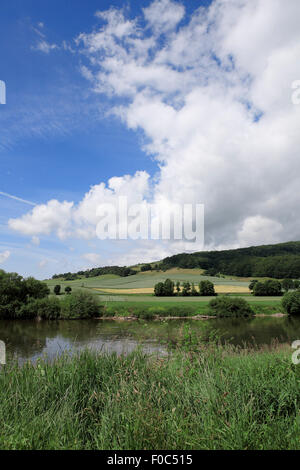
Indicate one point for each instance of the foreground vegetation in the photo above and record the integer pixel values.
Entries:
(200, 397)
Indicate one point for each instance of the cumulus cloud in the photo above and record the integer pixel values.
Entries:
(258, 229)
(212, 95)
(66, 219)
(214, 103)
(53, 217)
(4, 255)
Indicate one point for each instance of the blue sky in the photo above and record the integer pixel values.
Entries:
(54, 139)
(59, 136)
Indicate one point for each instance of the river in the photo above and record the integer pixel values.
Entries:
(29, 340)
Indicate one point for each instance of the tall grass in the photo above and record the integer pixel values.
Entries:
(199, 398)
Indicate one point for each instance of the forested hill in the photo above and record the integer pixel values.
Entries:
(122, 271)
(278, 261)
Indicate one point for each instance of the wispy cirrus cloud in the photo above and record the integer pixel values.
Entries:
(60, 111)
(16, 198)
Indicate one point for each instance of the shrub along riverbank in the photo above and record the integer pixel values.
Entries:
(149, 310)
(29, 298)
(201, 397)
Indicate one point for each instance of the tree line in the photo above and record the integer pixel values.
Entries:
(272, 287)
(122, 271)
(167, 289)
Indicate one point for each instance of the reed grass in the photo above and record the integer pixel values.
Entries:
(200, 397)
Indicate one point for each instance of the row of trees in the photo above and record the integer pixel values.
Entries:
(272, 287)
(167, 289)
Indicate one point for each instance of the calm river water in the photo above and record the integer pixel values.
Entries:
(30, 340)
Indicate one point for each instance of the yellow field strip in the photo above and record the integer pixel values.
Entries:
(220, 289)
(223, 289)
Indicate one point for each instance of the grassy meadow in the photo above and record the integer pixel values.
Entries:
(133, 295)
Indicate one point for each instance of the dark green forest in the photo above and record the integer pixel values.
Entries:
(122, 271)
(276, 261)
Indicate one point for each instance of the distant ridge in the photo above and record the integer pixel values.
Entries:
(279, 261)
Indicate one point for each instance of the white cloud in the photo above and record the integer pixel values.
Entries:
(45, 47)
(66, 219)
(261, 230)
(4, 255)
(213, 99)
(198, 97)
(44, 219)
(163, 15)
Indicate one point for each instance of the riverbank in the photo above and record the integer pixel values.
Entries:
(199, 398)
(167, 309)
(195, 317)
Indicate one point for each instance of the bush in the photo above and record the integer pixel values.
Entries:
(46, 308)
(225, 306)
(80, 305)
(16, 292)
(11, 309)
(291, 303)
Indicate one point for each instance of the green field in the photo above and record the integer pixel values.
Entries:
(148, 279)
(128, 298)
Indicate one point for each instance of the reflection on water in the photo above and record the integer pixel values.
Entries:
(31, 339)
